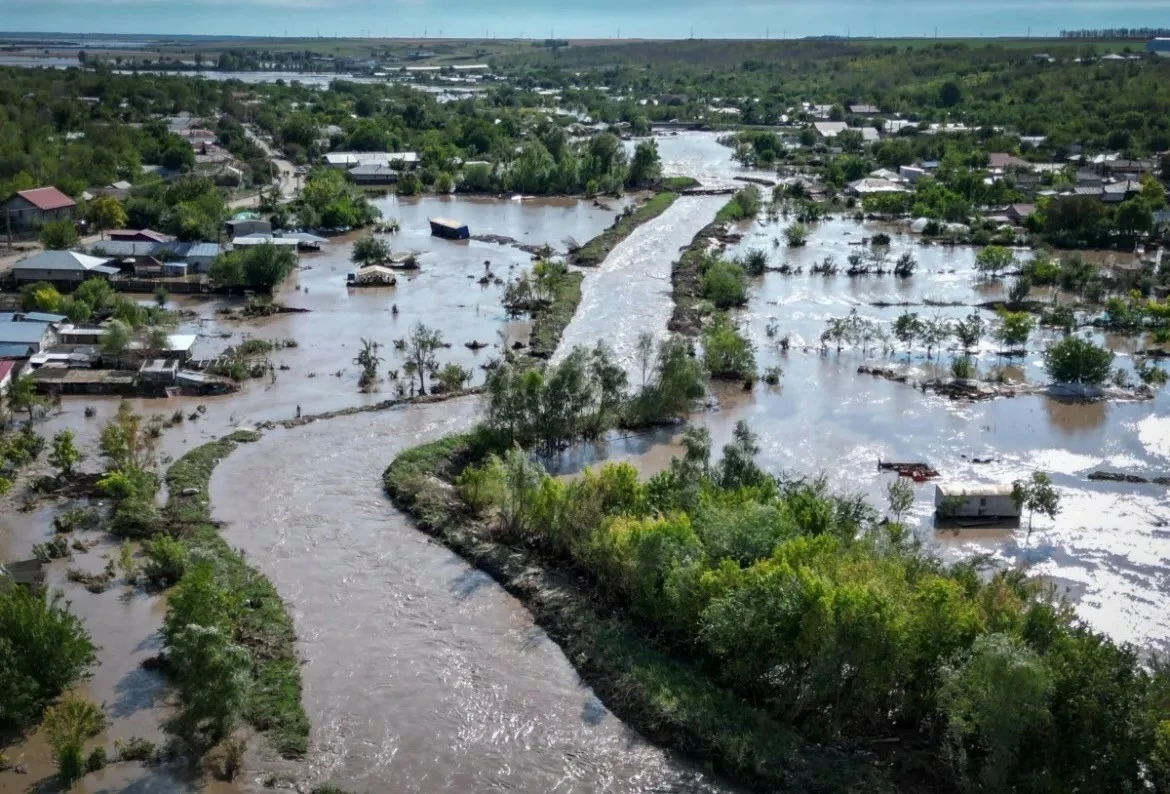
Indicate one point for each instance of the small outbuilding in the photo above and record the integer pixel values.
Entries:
(452, 230)
(975, 500)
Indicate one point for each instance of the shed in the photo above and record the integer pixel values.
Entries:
(975, 500)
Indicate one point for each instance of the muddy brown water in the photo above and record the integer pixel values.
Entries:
(423, 674)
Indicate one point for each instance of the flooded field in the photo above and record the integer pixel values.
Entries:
(420, 673)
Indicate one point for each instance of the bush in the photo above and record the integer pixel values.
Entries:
(754, 262)
(136, 517)
(726, 352)
(97, 760)
(134, 749)
(67, 725)
(796, 234)
(129, 484)
(1077, 360)
(166, 561)
(43, 649)
(724, 284)
(962, 368)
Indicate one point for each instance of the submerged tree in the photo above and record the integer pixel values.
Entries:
(368, 360)
(421, 347)
(370, 251)
(1036, 494)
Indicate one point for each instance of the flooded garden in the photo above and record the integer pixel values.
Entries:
(422, 674)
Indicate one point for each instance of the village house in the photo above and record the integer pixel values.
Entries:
(138, 236)
(1117, 192)
(373, 174)
(67, 268)
(975, 500)
(829, 129)
(20, 338)
(32, 209)
(1001, 163)
(871, 185)
(864, 110)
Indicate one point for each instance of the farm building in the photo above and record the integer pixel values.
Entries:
(32, 209)
(975, 500)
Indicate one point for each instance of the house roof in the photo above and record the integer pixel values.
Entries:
(64, 261)
(22, 333)
(1023, 210)
(47, 198)
(6, 368)
(863, 109)
(44, 317)
(1124, 186)
(875, 185)
(203, 250)
(830, 129)
(974, 489)
(15, 349)
(1004, 160)
(150, 234)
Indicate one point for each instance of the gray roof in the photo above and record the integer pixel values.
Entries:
(120, 249)
(24, 333)
(203, 250)
(43, 317)
(70, 261)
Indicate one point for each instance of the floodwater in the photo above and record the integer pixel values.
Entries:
(421, 674)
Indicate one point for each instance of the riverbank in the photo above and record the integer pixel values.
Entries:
(549, 323)
(667, 697)
(593, 253)
(263, 625)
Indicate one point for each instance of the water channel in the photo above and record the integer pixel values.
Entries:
(420, 673)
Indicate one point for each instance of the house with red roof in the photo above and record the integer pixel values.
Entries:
(32, 209)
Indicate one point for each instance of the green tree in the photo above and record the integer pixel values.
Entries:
(44, 649)
(646, 166)
(726, 352)
(67, 725)
(907, 328)
(368, 359)
(949, 94)
(65, 454)
(105, 212)
(1036, 494)
(1077, 360)
(421, 346)
(58, 235)
(969, 330)
(724, 284)
(900, 495)
(22, 396)
(116, 338)
(993, 700)
(993, 260)
(1013, 329)
(370, 251)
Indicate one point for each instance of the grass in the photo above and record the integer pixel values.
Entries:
(677, 184)
(595, 251)
(549, 323)
(668, 697)
(265, 628)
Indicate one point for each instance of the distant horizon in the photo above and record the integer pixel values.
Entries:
(605, 19)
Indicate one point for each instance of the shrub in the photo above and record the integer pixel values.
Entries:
(97, 760)
(166, 561)
(754, 262)
(726, 352)
(136, 517)
(724, 284)
(43, 649)
(962, 368)
(67, 725)
(796, 234)
(1077, 360)
(129, 484)
(134, 749)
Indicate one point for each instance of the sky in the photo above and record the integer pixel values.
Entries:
(591, 19)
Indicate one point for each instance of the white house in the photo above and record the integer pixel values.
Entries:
(975, 500)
